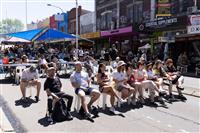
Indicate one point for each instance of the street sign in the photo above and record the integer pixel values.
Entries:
(193, 29)
(166, 39)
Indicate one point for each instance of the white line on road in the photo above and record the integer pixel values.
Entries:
(158, 121)
(182, 130)
(148, 117)
(169, 125)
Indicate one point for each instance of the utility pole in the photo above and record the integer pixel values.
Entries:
(118, 13)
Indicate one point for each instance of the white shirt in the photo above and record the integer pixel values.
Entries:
(43, 62)
(28, 76)
(119, 76)
(81, 78)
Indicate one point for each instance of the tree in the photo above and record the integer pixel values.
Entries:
(10, 25)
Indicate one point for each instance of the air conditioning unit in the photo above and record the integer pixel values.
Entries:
(192, 9)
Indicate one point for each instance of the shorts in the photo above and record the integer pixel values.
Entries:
(87, 92)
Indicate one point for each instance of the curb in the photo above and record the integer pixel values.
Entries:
(11, 117)
(5, 125)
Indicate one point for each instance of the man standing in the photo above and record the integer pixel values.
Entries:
(80, 81)
(30, 78)
(53, 86)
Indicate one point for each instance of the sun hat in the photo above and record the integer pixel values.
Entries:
(121, 63)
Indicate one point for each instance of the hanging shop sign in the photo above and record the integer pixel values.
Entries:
(194, 20)
(193, 29)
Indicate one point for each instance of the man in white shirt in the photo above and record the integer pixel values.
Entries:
(30, 77)
(80, 81)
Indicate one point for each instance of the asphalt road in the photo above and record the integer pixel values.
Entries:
(177, 116)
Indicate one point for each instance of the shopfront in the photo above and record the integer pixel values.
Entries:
(123, 38)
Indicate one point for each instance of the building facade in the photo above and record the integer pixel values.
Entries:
(72, 19)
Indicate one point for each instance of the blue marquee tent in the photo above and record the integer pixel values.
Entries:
(52, 34)
(45, 34)
(27, 35)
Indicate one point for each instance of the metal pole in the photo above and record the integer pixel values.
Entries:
(118, 12)
(77, 29)
(26, 17)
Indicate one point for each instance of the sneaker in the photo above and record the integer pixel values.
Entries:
(94, 110)
(162, 93)
(133, 101)
(88, 116)
(182, 97)
(152, 103)
(171, 97)
(142, 100)
(24, 99)
(36, 98)
(122, 100)
(160, 99)
(69, 116)
(49, 119)
(112, 110)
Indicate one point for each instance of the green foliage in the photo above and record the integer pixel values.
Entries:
(10, 25)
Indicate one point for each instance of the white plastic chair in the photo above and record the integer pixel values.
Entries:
(18, 73)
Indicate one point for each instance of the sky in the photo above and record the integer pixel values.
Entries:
(38, 9)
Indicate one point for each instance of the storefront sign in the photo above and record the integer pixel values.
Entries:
(166, 39)
(193, 29)
(91, 35)
(194, 20)
(163, 8)
(162, 22)
(117, 31)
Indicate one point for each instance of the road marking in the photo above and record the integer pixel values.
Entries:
(169, 125)
(158, 121)
(182, 130)
(148, 117)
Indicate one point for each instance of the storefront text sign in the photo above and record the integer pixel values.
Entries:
(193, 29)
(194, 20)
(162, 22)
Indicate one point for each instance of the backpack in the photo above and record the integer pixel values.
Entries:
(59, 111)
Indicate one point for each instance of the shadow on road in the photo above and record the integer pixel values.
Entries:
(24, 103)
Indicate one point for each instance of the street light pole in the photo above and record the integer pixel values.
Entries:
(118, 13)
(77, 29)
(56, 7)
(26, 15)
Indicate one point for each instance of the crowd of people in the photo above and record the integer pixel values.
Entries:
(129, 78)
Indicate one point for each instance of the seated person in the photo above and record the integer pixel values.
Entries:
(53, 86)
(105, 87)
(151, 76)
(141, 76)
(120, 79)
(80, 81)
(43, 63)
(30, 77)
(175, 76)
(24, 59)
